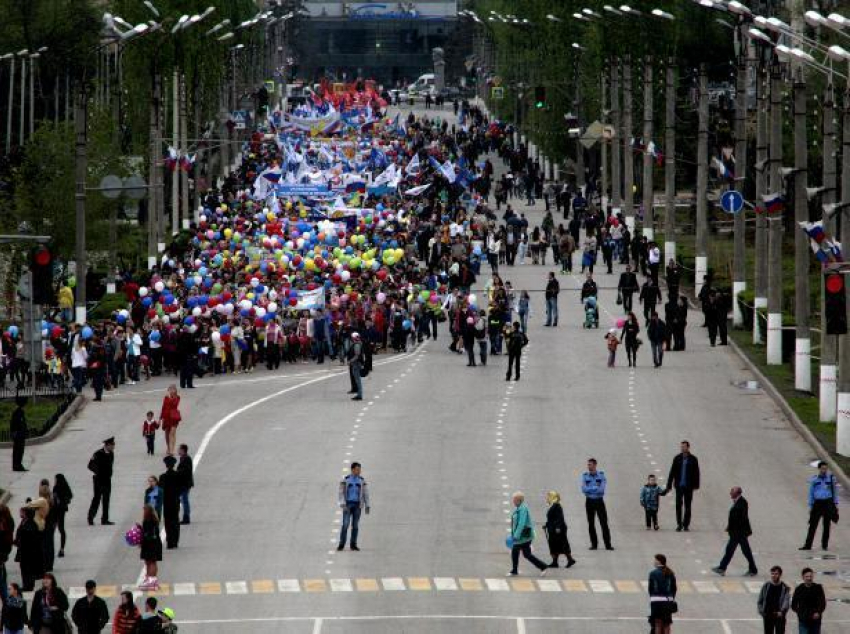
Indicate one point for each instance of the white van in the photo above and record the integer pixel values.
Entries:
(424, 84)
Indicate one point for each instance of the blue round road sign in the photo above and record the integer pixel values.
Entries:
(731, 201)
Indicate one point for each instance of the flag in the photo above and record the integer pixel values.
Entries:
(171, 158)
(824, 248)
(722, 170)
(448, 171)
(415, 191)
(773, 203)
(814, 230)
(413, 166)
(187, 162)
(655, 153)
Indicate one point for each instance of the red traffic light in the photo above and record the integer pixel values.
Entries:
(42, 256)
(834, 283)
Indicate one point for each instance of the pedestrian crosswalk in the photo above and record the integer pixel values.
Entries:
(423, 585)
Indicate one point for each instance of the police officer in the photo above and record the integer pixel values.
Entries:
(823, 503)
(353, 498)
(101, 465)
(593, 484)
(355, 365)
(171, 484)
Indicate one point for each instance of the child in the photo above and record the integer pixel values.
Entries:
(54, 369)
(149, 428)
(613, 342)
(649, 501)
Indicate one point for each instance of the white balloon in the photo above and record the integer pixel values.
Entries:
(216, 336)
(272, 295)
(196, 311)
(345, 275)
(255, 282)
(143, 291)
(159, 286)
(259, 311)
(272, 305)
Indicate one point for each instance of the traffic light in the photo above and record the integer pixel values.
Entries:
(539, 97)
(835, 304)
(41, 267)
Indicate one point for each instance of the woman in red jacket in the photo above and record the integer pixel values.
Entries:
(127, 615)
(170, 417)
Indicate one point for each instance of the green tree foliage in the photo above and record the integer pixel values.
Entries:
(542, 52)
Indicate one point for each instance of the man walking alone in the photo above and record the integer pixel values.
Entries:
(739, 531)
(552, 290)
(516, 342)
(684, 476)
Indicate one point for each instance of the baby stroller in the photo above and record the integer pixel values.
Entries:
(591, 313)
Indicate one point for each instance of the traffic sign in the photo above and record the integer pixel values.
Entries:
(731, 201)
(497, 92)
(240, 119)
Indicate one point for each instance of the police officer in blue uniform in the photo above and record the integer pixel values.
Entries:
(593, 484)
(353, 498)
(823, 503)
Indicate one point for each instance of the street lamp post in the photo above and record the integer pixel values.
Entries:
(828, 346)
(739, 282)
(628, 153)
(760, 270)
(701, 267)
(616, 164)
(648, 194)
(803, 344)
(11, 100)
(670, 162)
(842, 418)
(774, 274)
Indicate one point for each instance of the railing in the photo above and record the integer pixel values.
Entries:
(63, 396)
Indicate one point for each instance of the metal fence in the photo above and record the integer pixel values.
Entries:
(63, 396)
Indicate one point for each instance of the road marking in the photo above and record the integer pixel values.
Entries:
(520, 626)
(549, 585)
(317, 626)
(288, 585)
(184, 589)
(262, 586)
(445, 583)
(366, 585)
(210, 588)
(683, 587)
(574, 585)
(497, 585)
(76, 592)
(470, 585)
(523, 585)
(236, 587)
(419, 583)
(600, 585)
(753, 586)
(341, 585)
(731, 587)
(627, 586)
(393, 584)
(315, 585)
(705, 587)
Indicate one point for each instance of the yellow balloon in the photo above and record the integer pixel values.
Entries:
(303, 213)
(228, 233)
(250, 296)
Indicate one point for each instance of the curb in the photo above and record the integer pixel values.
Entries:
(791, 415)
(54, 431)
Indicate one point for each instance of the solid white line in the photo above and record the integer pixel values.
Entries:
(317, 626)
(520, 626)
(725, 626)
(212, 431)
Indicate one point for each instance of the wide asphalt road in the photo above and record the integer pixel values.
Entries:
(443, 446)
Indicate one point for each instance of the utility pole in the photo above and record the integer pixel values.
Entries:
(670, 162)
(828, 346)
(604, 145)
(184, 147)
(628, 155)
(80, 171)
(760, 271)
(175, 139)
(10, 104)
(842, 418)
(154, 175)
(702, 183)
(802, 252)
(648, 193)
(616, 179)
(739, 283)
(580, 181)
(774, 274)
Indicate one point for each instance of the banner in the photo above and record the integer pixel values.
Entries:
(289, 189)
(311, 300)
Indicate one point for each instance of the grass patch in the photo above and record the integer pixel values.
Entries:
(804, 405)
(38, 413)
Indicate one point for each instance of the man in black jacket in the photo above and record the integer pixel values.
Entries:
(185, 469)
(627, 286)
(684, 476)
(650, 295)
(187, 354)
(552, 290)
(18, 430)
(101, 465)
(809, 602)
(739, 531)
(169, 482)
(657, 333)
(90, 613)
(516, 342)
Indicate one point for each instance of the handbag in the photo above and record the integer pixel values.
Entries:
(673, 606)
(619, 298)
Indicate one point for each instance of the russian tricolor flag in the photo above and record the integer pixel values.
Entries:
(773, 203)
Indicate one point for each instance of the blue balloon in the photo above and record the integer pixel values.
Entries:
(155, 335)
(87, 332)
(225, 329)
(190, 282)
(260, 289)
(13, 330)
(121, 319)
(245, 312)
(192, 302)
(147, 301)
(406, 324)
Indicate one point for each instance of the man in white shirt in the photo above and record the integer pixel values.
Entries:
(654, 260)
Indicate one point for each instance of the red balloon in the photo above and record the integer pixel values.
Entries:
(293, 301)
(353, 296)
(226, 296)
(381, 274)
(258, 322)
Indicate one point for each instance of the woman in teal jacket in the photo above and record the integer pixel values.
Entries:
(522, 534)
